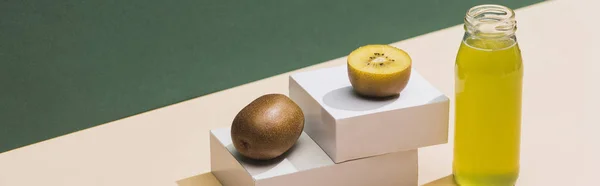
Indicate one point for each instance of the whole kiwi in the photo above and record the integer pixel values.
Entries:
(267, 127)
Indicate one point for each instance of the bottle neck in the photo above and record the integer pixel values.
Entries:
(490, 21)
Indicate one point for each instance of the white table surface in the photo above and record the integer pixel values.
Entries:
(169, 146)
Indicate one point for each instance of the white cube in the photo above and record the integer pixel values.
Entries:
(306, 164)
(349, 127)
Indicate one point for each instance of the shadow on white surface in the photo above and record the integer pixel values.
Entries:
(445, 181)
(205, 179)
(261, 166)
(346, 99)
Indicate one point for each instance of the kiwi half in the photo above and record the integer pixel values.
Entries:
(379, 70)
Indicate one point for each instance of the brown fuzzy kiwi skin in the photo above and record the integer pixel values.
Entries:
(378, 85)
(267, 127)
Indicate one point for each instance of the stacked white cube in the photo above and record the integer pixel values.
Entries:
(306, 164)
(349, 140)
(350, 127)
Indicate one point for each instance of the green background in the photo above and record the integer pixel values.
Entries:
(67, 65)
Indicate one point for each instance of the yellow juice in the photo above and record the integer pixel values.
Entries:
(488, 111)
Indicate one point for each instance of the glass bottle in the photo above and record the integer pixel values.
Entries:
(488, 86)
